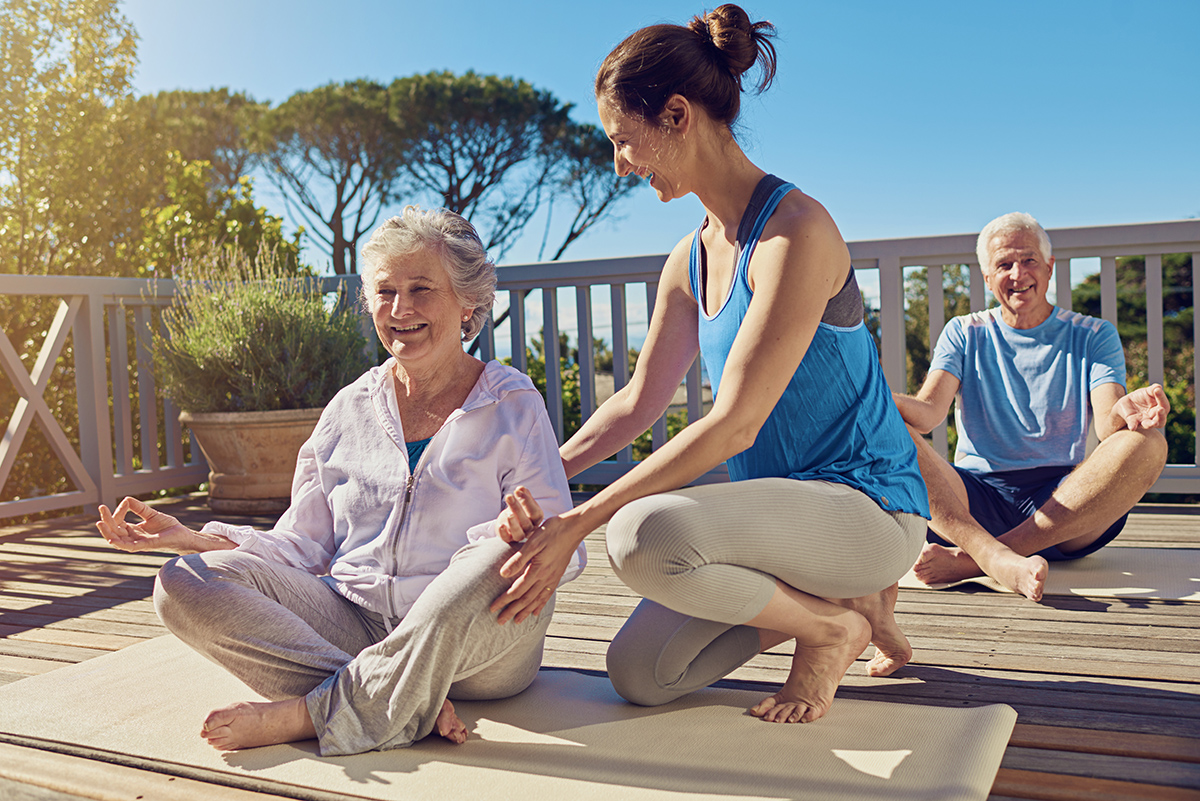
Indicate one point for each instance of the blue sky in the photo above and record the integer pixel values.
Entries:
(904, 119)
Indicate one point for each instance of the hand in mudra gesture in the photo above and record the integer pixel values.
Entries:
(1144, 408)
(156, 531)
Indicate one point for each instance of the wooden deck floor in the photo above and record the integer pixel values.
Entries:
(1107, 691)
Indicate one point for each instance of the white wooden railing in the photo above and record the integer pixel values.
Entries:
(118, 413)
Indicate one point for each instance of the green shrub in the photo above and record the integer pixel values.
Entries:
(249, 334)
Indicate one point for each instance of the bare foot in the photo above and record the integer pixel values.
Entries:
(249, 724)
(449, 726)
(1025, 575)
(892, 649)
(816, 671)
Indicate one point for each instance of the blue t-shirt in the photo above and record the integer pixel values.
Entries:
(836, 420)
(1024, 399)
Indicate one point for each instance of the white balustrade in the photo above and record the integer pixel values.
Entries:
(98, 314)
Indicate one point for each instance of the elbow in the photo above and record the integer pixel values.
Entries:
(739, 437)
(922, 427)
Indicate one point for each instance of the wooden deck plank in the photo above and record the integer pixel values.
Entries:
(1143, 746)
(1046, 786)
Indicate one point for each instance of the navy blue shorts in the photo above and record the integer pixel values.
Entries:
(1003, 500)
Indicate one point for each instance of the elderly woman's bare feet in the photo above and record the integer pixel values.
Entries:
(1024, 575)
(449, 726)
(892, 649)
(816, 672)
(249, 724)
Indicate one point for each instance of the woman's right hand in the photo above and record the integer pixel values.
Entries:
(521, 516)
(156, 532)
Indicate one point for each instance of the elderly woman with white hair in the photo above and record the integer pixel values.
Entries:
(365, 609)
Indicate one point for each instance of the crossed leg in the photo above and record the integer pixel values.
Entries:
(1089, 500)
(334, 673)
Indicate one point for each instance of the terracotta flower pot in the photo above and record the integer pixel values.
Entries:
(251, 456)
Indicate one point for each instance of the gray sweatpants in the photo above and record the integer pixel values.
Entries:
(286, 633)
(706, 560)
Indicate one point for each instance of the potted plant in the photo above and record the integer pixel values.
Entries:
(251, 349)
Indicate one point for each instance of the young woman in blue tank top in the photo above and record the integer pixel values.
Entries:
(826, 510)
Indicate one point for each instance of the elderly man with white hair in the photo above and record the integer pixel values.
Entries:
(1030, 379)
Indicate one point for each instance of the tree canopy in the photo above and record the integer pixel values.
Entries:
(216, 125)
(64, 64)
(494, 149)
(334, 152)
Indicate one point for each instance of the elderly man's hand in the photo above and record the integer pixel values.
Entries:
(1144, 408)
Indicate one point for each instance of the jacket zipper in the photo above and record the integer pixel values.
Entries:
(409, 489)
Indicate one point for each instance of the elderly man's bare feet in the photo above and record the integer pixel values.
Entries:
(449, 726)
(1025, 575)
(249, 724)
(816, 671)
(892, 649)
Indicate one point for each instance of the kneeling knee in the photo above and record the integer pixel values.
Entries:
(641, 539)
(631, 673)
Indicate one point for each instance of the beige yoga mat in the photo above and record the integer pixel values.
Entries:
(567, 737)
(1168, 574)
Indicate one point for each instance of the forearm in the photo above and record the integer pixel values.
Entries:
(617, 423)
(688, 455)
(203, 541)
(1109, 424)
(921, 414)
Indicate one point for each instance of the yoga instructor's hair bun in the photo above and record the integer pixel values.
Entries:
(703, 61)
(740, 42)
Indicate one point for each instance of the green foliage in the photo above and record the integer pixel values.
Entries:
(191, 213)
(494, 149)
(214, 126)
(1178, 347)
(956, 288)
(64, 164)
(334, 152)
(247, 334)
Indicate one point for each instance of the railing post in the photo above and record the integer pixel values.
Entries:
(978, 289)
(147, 395)
(587, 359)
(937, 321)
(516, 328)
(1108, 288)
(1154, 318)
(620, 333)
(891, 322)
(1062, 283)
(118, 360)
(553, 365)
(91, 388)
(658, 431)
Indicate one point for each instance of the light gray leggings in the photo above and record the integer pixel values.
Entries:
(706, 559)
(286, 634)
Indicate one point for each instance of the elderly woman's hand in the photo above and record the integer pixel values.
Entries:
(156, 532)
(522, 514)
(538, 567)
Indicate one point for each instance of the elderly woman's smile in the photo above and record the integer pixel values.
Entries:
(416, 312)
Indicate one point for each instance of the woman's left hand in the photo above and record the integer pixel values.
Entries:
(538, 566)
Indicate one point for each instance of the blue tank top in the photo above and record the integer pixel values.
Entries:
(836, 420)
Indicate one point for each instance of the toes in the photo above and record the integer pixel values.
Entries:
(764, 706)
(775, 710)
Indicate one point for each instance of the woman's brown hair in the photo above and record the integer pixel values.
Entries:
(704, 61)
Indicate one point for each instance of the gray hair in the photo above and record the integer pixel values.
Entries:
(472, 273)
(1007, 224)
